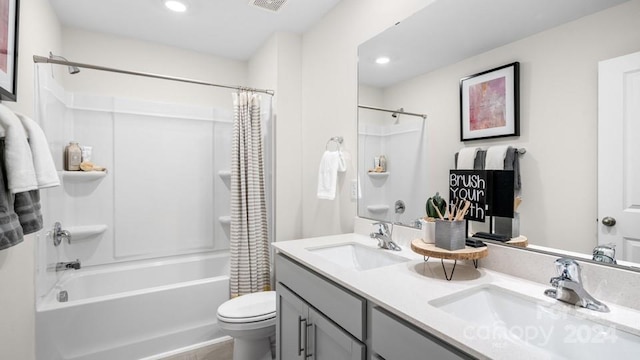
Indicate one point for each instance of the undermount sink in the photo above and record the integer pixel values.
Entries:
(357, 257)
(502, 316)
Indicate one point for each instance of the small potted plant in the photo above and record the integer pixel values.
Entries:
(429, 221)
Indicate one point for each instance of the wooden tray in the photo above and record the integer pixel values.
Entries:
(520, 241)
(430, 250)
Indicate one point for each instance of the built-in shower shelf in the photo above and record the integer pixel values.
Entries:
(225, 220)
(82, 175)
(378, 208)
(84, 232)
(378, 175)
(224, 174)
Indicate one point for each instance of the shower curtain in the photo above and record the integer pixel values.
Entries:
(249, 233)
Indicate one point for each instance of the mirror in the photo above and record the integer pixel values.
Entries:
(391, 155)
(558, 45)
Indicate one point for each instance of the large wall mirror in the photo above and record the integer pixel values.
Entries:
(559, 46)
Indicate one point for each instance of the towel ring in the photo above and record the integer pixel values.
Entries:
(337, 140)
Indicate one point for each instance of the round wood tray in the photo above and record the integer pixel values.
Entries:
(520, 241)
(430, 250)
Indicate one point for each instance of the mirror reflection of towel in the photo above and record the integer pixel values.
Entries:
(331, 163)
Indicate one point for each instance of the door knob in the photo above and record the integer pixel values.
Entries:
(608, 221)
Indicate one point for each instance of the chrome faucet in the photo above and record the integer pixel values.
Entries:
(567, 286)
(605, 253)
(383, 235)
(61, 266)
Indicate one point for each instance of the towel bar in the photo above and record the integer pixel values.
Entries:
(336, 139)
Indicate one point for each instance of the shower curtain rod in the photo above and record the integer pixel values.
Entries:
(423, 116)
(42, 59)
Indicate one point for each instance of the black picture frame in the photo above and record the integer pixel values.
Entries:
(490, 103)
(9, 16)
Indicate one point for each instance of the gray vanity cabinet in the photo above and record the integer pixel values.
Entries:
(303, 332)
(316, 317)
(319, 319)
(392, 338)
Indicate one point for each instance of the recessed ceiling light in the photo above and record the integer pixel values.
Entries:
(174, 5)
(382, 60)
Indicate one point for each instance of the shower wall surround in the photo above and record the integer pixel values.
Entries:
(166, 191)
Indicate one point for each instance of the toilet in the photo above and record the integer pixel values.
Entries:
(251, 321)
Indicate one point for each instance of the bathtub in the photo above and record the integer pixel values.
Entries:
(133, 311)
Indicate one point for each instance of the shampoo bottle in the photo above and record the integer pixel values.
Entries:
(72, 156)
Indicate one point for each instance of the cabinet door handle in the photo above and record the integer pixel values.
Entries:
(306, 334)
(301, 346)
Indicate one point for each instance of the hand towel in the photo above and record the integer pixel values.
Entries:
(466, 158)
(331, 163)
(512, 162)
(495, 157)
(11, 232)
(21, 176)
(46, 173)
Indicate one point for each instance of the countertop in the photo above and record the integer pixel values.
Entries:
(405, 289)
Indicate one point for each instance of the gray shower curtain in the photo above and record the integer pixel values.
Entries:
(249, 234)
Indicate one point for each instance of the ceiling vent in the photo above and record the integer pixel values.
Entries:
(271, 5)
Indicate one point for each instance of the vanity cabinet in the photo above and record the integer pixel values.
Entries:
(319, 319)
(316, 318)
(305, 333)
(392, 338)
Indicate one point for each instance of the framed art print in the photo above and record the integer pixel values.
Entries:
(489, 104)
(8, 49)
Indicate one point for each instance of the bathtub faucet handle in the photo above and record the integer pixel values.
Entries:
(59, 234)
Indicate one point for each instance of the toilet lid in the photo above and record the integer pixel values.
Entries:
(248, 308)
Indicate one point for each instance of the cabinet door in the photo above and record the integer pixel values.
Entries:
(327, 341)
(291, 325)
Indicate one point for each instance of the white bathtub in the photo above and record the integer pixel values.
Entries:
(133, 311)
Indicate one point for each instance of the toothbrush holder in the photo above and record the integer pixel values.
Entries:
(450, 235)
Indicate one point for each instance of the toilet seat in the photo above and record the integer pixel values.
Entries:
(249, 308)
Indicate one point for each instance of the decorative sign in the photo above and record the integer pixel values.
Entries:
(469, 185)
(489, 191)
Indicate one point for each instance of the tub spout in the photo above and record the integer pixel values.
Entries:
(61, 266)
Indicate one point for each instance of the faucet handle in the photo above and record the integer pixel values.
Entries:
(568, 269)
(383, 227)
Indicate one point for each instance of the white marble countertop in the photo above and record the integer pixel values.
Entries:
(405, 289)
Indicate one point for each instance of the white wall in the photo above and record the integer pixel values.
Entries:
(329, 100)
(277, 66)
(558, 83)
(124, 53)
(39, 33)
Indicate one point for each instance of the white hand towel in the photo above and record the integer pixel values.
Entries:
(330, 164)
(467, 158)
(495, 157)
(46, 173)
(21, 176)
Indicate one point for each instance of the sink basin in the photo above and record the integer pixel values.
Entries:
(358, 257)
(500, 316)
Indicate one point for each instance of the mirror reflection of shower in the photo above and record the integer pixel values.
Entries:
(399, 210)
(72, 69)
(396, 116)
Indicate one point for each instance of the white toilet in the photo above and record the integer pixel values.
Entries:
(251, 321)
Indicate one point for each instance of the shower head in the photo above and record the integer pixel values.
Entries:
(72, 69)
(396, 116)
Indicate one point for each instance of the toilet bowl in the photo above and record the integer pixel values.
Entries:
(251, 321)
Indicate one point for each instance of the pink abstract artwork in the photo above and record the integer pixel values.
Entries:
(4, 34)
(487, 104)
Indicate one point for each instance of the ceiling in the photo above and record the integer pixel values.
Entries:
(448, 31)
(232, 29)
